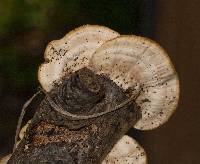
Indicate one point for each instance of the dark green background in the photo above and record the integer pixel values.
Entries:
(26, 26)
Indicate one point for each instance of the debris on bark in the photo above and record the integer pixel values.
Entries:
(79, 121)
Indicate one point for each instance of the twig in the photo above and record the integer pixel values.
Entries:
(24, 109)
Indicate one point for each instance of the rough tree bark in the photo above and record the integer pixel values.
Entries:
(57, 137)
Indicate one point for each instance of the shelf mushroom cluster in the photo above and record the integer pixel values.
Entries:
(134, 63)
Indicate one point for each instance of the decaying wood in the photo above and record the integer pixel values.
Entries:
(67, 127)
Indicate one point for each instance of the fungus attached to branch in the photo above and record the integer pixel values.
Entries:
(55, 135)
(98, 85)
(71, 53)
(137, 63)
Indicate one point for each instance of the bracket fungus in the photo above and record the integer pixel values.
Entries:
(110, 83)
(135, 63)
(71, 53)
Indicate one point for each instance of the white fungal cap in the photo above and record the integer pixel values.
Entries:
(71, 53)
(126, 151)
(130, 61)
(141, 64)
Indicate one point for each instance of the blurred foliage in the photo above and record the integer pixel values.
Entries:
(26, 26)
(18, 15)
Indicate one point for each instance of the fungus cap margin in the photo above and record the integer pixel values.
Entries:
(141, 64)
(126, 151)
(71, 53)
